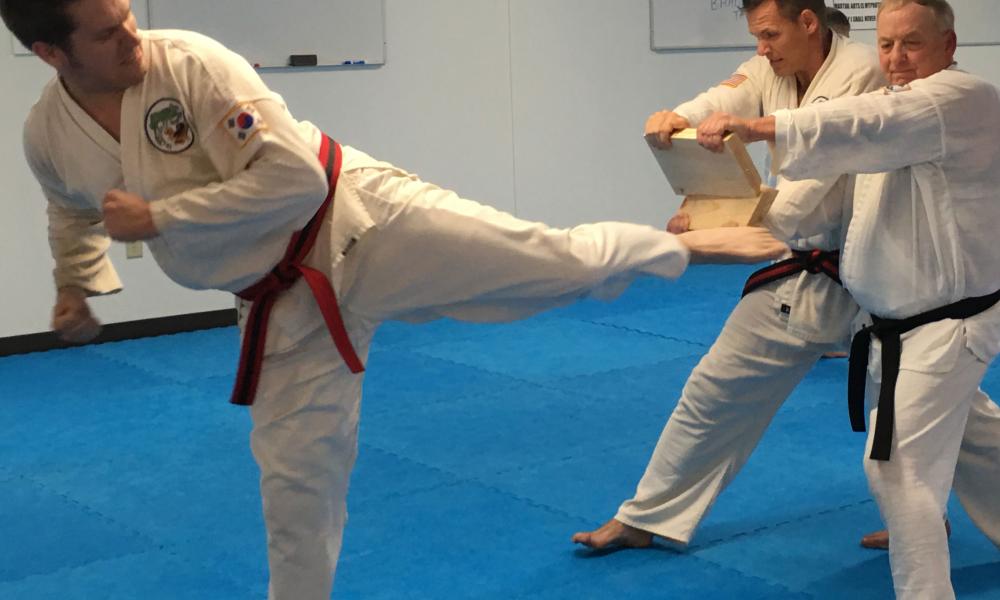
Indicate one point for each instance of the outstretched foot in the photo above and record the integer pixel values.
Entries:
(614, 534)
(879, 540)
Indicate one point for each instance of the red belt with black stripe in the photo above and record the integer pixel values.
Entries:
(813, 261)
(265, 292)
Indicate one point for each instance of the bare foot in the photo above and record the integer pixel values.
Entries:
(879, 540)
(836, 354)
(614, 534)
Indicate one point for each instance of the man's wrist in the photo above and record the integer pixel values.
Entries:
(150, 230)
(160, 216)
(761, 129)
(72, 291)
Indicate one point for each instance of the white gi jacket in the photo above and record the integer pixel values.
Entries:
(923, 233)
(201, 116)
(807, 214)
(189, 125)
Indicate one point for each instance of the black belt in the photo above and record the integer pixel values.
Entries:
(889, 332)
(813, 261)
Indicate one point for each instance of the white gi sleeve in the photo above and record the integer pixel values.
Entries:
(77, 239)
(739, 95)
(800, 210)
(873, 133)
(271, 178)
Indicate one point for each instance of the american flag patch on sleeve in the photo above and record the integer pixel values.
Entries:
(243, 122)
(735, 80)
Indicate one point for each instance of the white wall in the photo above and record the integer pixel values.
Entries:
(25, 264)
(535, 107)
(584, 81)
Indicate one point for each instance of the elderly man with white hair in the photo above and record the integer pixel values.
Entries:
(920, 257)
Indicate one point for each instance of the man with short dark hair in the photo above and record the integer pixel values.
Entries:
(790, 314)
(168, 137)
(921, 258)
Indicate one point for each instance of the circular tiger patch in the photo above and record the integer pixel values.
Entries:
(167, 126)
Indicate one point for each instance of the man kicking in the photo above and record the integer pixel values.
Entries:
(168, 137)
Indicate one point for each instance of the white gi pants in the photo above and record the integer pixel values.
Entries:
(942, 418)
(726, 405)
(977, 478)
(430, 255)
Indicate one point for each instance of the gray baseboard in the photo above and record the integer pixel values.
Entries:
(129, 330)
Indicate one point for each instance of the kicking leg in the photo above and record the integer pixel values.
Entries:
(436, 254)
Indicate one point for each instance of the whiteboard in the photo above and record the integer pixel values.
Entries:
(719, 24)
(698, 24)
(267, 32)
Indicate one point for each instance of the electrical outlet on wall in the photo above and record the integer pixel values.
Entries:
(133, 249)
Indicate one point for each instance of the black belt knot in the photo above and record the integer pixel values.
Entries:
(889, 332)
(812, 261)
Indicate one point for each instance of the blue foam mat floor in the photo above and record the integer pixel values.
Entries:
(124, 473)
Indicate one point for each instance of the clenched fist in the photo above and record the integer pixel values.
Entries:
(71, 317)
(127, 217)
(715, 127)
(661, 125)
(679, 223)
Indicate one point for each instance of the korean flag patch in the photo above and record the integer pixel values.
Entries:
(243, 122)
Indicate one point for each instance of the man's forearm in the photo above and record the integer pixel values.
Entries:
(760, 130)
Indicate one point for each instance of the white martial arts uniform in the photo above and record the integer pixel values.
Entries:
(230, 175)
(922, 236)
(775, 334)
